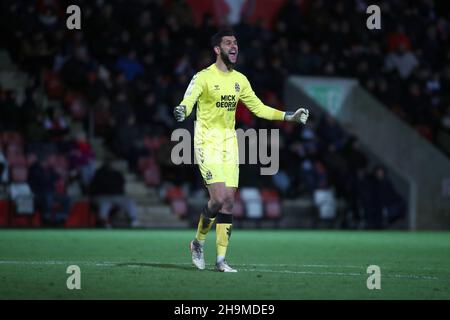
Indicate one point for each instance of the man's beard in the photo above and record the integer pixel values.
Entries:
(230, 65)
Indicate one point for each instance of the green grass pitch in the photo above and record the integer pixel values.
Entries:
(155, 264)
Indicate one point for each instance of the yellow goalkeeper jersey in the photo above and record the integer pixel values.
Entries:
(217, 94)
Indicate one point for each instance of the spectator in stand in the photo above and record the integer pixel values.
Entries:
(4, 170)
(369, 202)
(397, 38)
(129, 141)
(445, 122)
(356, 165)
(83, 159)
(130, 66)
(381, 203)
(49, 191)
(324, 196)
(108, 190)
(331, 133)
(10, 111)
(55, 124)
(401, 61)
(392, 204)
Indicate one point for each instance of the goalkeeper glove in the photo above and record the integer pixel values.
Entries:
(300, 116)
(180, 113)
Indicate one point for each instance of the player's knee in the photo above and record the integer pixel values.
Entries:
(216, 203)
(228, 204)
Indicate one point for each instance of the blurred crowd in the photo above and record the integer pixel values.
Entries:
(121, 74)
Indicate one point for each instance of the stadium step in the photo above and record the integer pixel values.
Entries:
(6, 63)
(100, 151)
(159, 216)
(121, 165)
(57, 104)
(13, 80)
(151, 196)
(75, 126)
(97, 142)
(151, 211)
(130, 177)
(136, 188)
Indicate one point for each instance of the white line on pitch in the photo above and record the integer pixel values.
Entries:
(137, 264)
(407, 276)
(304, 272)
(298, 265)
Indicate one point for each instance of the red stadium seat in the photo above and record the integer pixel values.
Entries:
(53, 85)
(179, 207)
(146, 162)
(174, 193)
(11, 137)
(272, 205)
(177, 200)
(9, 217)
(14, 154)
(80, 216)
(153, 143)
(17, 160)
(152, 177)
(150, 170)
(26, 220)
(238, 207)
(4, 212)
(19, 173)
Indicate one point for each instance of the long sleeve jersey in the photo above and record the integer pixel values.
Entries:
(217, 94)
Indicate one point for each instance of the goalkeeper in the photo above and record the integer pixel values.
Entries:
(217, 90)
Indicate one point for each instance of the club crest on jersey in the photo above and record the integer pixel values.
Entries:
(208, 175)
(237, 87)
(216, 87)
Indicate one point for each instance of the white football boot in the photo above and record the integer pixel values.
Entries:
(223, 266)
(197, 254)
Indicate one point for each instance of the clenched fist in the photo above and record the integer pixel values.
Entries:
(180, 113)
(300, 116)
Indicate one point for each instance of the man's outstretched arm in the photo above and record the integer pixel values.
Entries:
(255, 105)
(191, 95)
